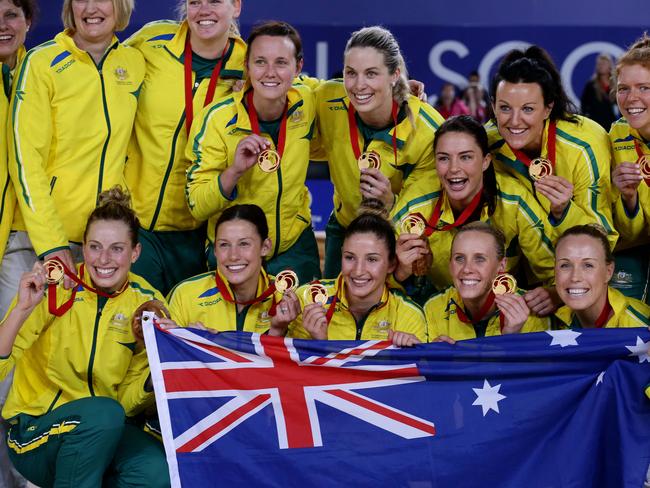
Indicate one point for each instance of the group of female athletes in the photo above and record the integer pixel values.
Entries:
(212, 136)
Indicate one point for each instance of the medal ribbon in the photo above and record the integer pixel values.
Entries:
(466, 214)
(462, 315)
(354, 130)
(550, 147)
(335, 299)
(212, 86)
(255, 122)
(65, 306)
(640, 154)
(604, 315)
(225, 292)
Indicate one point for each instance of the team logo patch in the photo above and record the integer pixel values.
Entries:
(297, 116)
(121, 73)
(120, 320)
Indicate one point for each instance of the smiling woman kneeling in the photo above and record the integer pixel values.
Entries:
(79, 369)
(359, 305)
(470, 309)
(583, 267)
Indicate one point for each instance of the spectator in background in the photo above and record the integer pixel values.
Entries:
(476, 98)
(596, 101)
(449, 104)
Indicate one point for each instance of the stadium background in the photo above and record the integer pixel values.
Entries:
(442, 40)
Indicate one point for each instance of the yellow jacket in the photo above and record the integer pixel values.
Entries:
(198, 299)
(628, 312)
(70, 124)
(518, 215)
(155, 171)
(582, 158)
(415, 172)
(442, 319)
(395, 311)
(632, 227)
(282, 195)
(7, 193)
(89, 351)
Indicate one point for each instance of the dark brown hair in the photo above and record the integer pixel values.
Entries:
(276, 28)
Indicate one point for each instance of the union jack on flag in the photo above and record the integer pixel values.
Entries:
(239, 409)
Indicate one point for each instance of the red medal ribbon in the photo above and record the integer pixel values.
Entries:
(354, 130)
(462, 315)
(335, 299)
(550, 147)
(640, 154)
(65, 306)
(466, 214)
(212, 86)
(255, 122)
(604, 315)
(225, 292)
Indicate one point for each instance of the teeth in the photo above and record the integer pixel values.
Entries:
(577, 291)
(270, 85)
(456, 180)
(236, 267)
(94, 20)
(363, 97)
(207, 22)
(635, 111)
(517, 131)
(358, 281)
(105, 271)
(469, 282)
(6, 38)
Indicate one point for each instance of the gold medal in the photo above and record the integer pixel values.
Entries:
(54, 271)
(504, 283)
(369, 159)
(644, 166)
(539, 168)
(268, 160)
(286, 281)
(146, 313)
(413, 224)
(316, 293)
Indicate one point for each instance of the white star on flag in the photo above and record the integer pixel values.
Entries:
(640, 349)
(488, 397)
(601, 376)
(564, 338)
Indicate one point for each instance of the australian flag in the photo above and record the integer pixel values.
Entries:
(550, 409)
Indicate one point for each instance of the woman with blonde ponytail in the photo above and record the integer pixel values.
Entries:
(369, 116)
(189, 64)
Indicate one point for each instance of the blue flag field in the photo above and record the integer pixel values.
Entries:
(545, 410)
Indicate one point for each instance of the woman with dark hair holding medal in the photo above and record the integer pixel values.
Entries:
(584, 264)
(377, 138)
(253, 147)
(483, 300)
(189, 65)
(630, 142)
(358, 304)
(80, 367)
(469, 190)
(240, 294)
(561, 158)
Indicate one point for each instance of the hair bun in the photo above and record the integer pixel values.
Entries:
(373, 206)
(114, 196)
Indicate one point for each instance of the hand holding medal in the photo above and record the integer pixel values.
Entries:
(416, 224)
(288, 308)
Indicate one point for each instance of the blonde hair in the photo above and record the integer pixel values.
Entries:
(487, 229)
(639, 53)
(181, 13)
(383, 41)
(122, 8)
